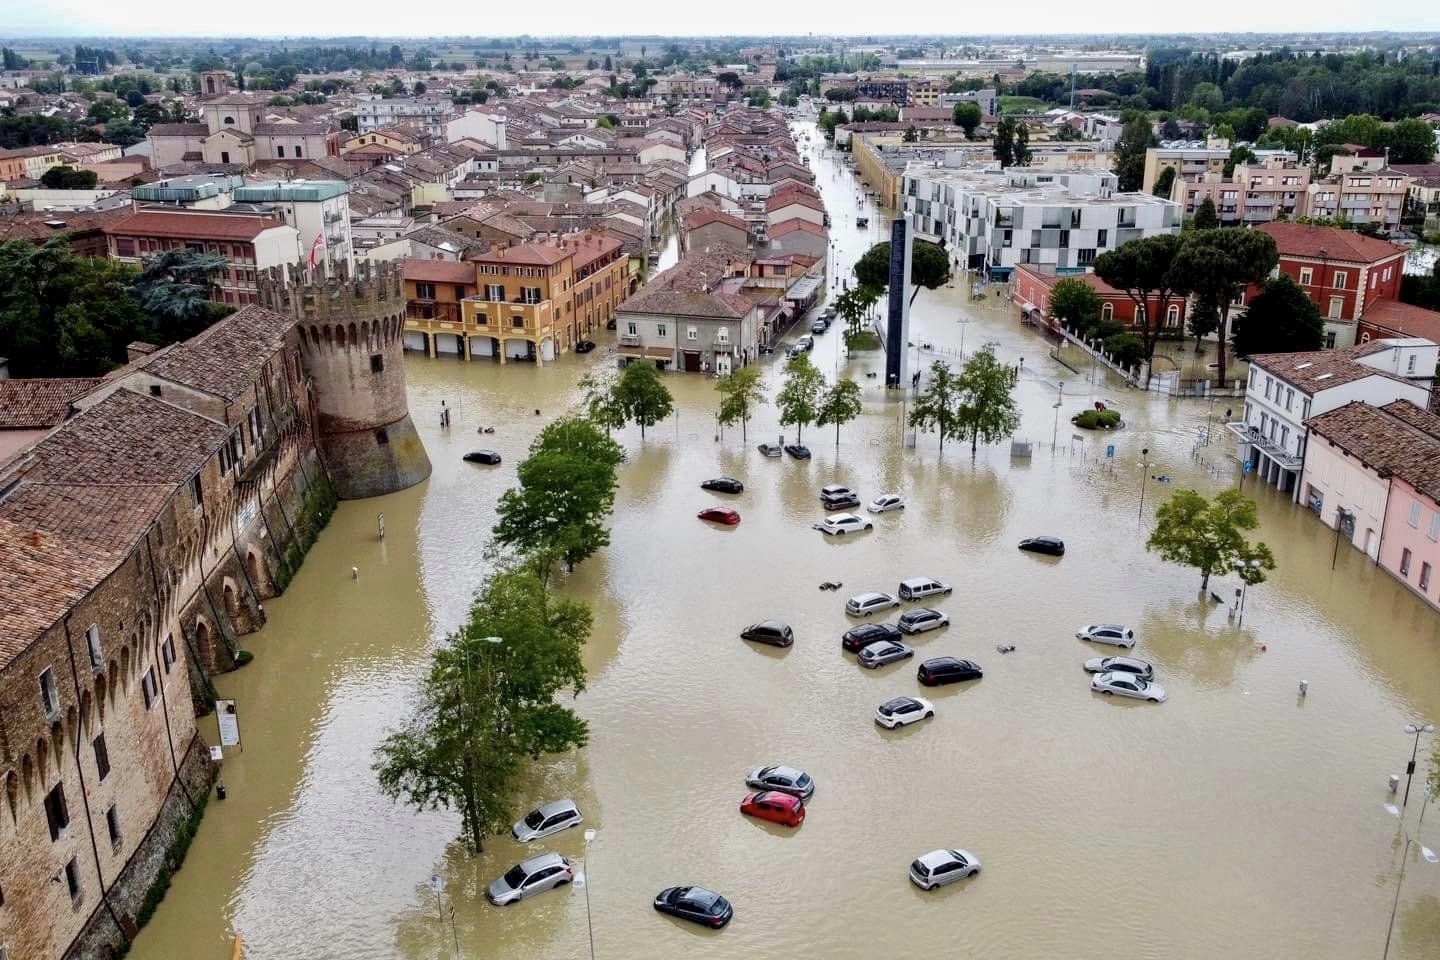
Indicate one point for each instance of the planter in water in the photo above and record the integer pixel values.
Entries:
(1098, 420)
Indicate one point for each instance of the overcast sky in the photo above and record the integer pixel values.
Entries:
(387, 18)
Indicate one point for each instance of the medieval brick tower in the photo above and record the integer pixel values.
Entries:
(352, 343)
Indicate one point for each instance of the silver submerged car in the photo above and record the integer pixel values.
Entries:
(785, 779)
(1115, 634)
(536, 875)
(882, 652)
(545, 820)
(1128, 685)
(1140, 668)
(939, 867)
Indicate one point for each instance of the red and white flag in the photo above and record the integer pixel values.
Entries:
(315, 249)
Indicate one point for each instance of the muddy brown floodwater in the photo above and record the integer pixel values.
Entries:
(1235, 820)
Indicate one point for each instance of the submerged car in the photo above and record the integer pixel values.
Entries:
(775, 807)
(584, 346)
(786, 779)
(1139, 668)
(858, 638)
(939, 867)
(1053, 546)
(820, 325)
(545, 820)
(942, 670)
(723, 485)
(840, 501)
(918, 588)
(864, 604)
(536, 875)
(770, 449)
(1128, 685)
(921, 619)
(696, 904)
(771, 632)
(1112, 633)
(798, 450)
(487, 457)
(720, 515)
(881, 652)
(839, 524)
(887, 502)
(903, 711)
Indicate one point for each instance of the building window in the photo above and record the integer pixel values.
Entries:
(1405, 562)
(1410, 364)
(92, 644)
(167, 652)
(1337, 308)
(1172, 316)
(298, 152)
(1107, 312)
(279, 151)
(1252, 378)
(660, 329)
(495, 293)
(631, 329)
(1330, 340)
(57, 812)
(149, 687)
(517, 322)
(377, 363)
(531, 294)
(102, 757)
(72, 880)
(112, 826)
(1339, 279)
(1306, 274)
(197, 491)
(254, 419)
(1269, 383)
(1289, 397)
(49, 696)
(1415, 513)
(425, 291)
(382, 437)
(1424, 576)
(1434, 525)
(224, 156)
(691, 334)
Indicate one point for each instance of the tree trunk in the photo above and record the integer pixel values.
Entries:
(918, 288)
(1220, 347)
(642, 431)
(837, 434)
(974, 441)
(1204, 580)
(744, 421)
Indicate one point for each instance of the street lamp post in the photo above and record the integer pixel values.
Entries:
(1240, 566)
(1059, 401)
(589, 926)
(1414, 729)
(1429, 855)
(1144, 475)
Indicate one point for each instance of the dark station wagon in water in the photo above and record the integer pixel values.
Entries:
(771, 632)
(696, 904)
(1052, 546)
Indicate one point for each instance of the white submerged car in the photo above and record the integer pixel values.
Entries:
(864, 604)
(939, 867)
(839, 524)
(903, 711)
(1128, 685)
(545, 820)
(1112, 633)
(887, 502)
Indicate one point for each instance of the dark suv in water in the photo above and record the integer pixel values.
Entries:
(942, 670)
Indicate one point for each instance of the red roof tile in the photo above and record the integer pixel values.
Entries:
(40, 403)
(1332, 243)
(199, 226)
(440, 271)
(1403, 319)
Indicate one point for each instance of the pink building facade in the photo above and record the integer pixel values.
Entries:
(1345, 491)
(1410, 549)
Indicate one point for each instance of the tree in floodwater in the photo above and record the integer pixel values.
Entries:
(799, 398)
(488, 706)
(1209, 535)
(642, 396)
(839, 404)
(939, 405)
(740, 394)
(987, 399)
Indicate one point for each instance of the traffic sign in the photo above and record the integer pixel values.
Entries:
(1249, 467)
(1110, 451)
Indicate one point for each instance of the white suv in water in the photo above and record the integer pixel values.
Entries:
(918, 588)
(839, 524)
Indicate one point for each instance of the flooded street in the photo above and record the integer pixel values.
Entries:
(1234, 820)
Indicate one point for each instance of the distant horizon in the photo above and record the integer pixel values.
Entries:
(932, 38)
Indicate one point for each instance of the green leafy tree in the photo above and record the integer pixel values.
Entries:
(1145, 270)
(839, 404)
(1125, 349)
(1206, 216)
(1209, 535)
(1012, 142)
(929, 267)
(1239, 154)
(1411, 141)
(486, 708)
(566, 491)
(799, 396)
(1204, 320)
(1217, 266)
(1281, 319)
(599, 401)
(938, 406)
(69, 178)
(987, 409)
(740, 394)
(967, 117)
(1136, 136)
(1164, 182)
(174, 288)
(1076, 304)
(645, 400)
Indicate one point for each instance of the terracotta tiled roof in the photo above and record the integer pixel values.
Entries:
(225, 358)
(440, 271)
(700, 218)
(1315, 370)
(1403, 319)
(1332, 243)
(793, 197)
(40, 403)
(1398, 439)
(797, 223)
(179, 130)
(216, 226)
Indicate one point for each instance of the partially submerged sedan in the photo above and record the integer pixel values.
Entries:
(696, 904)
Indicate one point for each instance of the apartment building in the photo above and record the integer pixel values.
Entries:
(1286, 389)
(318, 209)
(249, 242)
(1273, 188)
(430, 114)
(1193, 161)
(1361, 196)
(993, 221)
(531, 300)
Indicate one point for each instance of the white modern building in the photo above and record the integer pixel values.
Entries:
(430, 114)
(319, 209)
(994, 220)
(1286, 389)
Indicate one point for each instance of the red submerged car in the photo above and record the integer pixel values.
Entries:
(720, 515)
(774, 806)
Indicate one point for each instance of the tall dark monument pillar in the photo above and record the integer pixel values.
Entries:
(897, 314)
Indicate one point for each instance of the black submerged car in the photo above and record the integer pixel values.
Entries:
(696, 904)
(1053, 546)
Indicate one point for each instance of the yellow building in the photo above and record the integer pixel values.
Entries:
(532, 300)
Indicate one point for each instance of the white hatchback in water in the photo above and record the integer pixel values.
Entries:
(839, 524)
(887, 502)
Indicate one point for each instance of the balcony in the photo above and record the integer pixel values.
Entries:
(1252, 435)
(484, 316)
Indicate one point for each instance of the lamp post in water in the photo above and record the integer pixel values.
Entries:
(589, 926)
(1415, 729)
(1429, 855)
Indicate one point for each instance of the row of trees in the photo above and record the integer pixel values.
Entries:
(67, 316)
(977, 404)
(488, 705)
